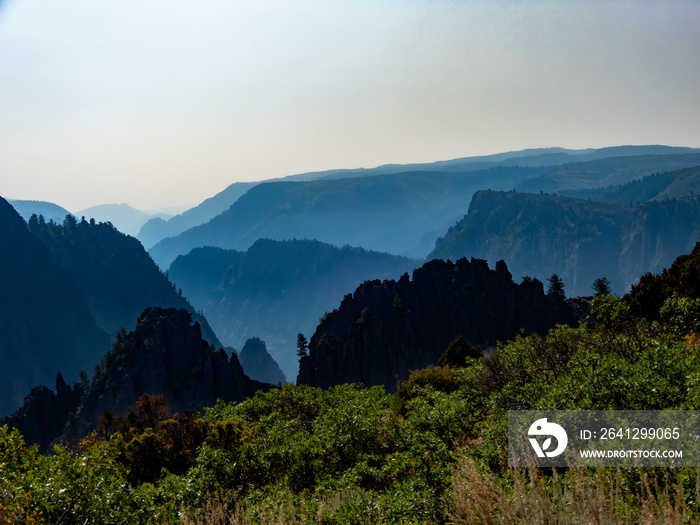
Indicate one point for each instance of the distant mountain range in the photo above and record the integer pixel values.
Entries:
(399, 208)
(527, 158)
(402, 209)
(125, 218)
(160, 227)
(583, 214)
(606, 172)
(50, 211)
(400, 213)
(277, 289)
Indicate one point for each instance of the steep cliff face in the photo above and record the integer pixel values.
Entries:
(385, 329)
(579, 240)
(164, 354)
(656, 235)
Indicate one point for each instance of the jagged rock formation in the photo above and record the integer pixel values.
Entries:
(258, 364)
(164, 354)
(44, 414)
(385, 329)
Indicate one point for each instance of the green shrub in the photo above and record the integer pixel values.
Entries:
(460, 353)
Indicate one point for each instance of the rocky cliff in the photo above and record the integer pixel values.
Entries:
(387, 328)
(579, 240)
(44, 414)
(164, 354)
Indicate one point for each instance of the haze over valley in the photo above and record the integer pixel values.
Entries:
(299, 262)
(267, 261)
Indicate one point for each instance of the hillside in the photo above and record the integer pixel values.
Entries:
(276, 289)
(387, 328)
(579, 240)
(113, 272)
(50, 211)
(607, 171)
(157, 229)
(202, 271)
(397, 213)
(659, 186)
(46, 325)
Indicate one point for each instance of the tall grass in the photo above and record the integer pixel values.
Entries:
(577, 496)
(527, 496)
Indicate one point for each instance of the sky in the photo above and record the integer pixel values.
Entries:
(160, 103)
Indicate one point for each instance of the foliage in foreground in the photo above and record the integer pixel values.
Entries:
(434, 452)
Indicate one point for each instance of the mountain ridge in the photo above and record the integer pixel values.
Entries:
(42, 310)
(579, 240)
(390, 213)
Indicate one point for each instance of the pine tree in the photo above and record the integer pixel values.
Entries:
(302, 346)
(602, 286)
(555, 291)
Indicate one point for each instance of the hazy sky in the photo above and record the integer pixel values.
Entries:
(166, 102)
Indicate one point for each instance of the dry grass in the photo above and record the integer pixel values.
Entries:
(587, 497)
(284, 511)
(214, 512)
(581, 497)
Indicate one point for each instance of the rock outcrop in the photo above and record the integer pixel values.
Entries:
(387, 328)
(258, 364)
(165, 354)
(44, 414)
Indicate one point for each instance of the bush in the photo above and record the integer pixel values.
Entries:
(460, 353)
(436, 378)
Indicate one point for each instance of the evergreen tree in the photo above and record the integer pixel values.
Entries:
(602, 286)
(302, 345)
(70, 222)
(555, 291)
